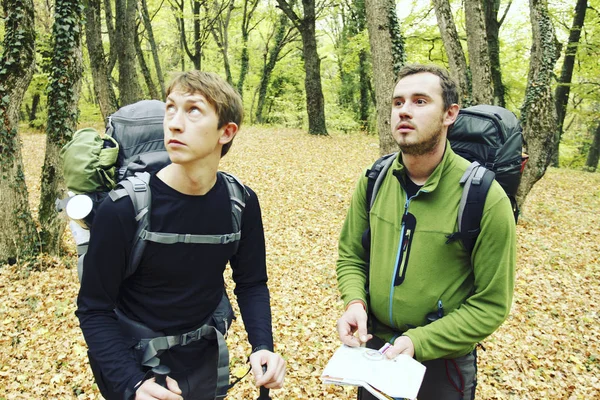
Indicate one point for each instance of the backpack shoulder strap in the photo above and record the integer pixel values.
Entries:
(237, 196)
(137, 187)
(376, 175)
(476, 182)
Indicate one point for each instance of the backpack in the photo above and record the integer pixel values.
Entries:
(119, 163)
(491, 138)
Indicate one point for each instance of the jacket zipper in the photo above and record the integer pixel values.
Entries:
(405, 237)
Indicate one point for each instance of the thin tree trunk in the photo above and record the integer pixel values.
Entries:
(34, 106)
(591, 162)
(564, 82)
(384, 77)
(538, 113)
(479, 59)
(18, 235)
(145, 70)
(456, 56)
(249, 8)
(282, 37)
(112, 35)
(63, 96)
(103, 89)
(221, 35)
(492, 28)
(155, 58)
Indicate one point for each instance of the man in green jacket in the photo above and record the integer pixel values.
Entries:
(427, 296)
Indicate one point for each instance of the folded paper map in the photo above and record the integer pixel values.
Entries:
(384, 378)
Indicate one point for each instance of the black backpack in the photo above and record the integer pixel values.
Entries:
(137, 131)
(491, 138)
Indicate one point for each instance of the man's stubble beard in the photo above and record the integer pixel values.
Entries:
(423, 147)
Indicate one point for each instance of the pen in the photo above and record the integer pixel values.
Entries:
(384, 348)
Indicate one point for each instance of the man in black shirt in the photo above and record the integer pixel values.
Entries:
(177, 286)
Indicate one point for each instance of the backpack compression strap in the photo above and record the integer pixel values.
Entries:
(476, 182)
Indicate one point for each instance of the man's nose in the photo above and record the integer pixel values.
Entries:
(175, 122)
(405, 110)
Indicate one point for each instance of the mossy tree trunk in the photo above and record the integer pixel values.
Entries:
(63, 96)
(387, 57)
(538, 113)
(18, 234)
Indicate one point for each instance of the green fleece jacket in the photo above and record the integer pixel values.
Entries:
(476, 299)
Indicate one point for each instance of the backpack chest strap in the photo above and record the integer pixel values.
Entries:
(172, 238)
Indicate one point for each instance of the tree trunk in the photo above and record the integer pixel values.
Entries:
(364, 90)
(315, 102)
(492, 28)
(35, 102)
(145, 70)
(564, 82)
(282, 37)
(155, 58)
(18, 235)
(479, 59)
(221, 35)
(249, 8)
(63, 96)
(112, 35)
(129, 86)
(454, 51)
(591, 162)
(103, 89)
(538, 113)
(384, 78)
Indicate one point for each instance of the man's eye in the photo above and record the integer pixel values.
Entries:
(170, 108)
(421, 101)
(194, 110)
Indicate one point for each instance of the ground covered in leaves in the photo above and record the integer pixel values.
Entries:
(548, 347)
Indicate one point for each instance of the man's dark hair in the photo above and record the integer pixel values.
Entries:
(449, 87)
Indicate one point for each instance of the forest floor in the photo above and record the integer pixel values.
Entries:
(547, 348)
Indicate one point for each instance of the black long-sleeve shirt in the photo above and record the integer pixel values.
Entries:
(176, 286)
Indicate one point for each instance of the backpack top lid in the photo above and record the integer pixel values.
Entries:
(138, 128)
(492, 136)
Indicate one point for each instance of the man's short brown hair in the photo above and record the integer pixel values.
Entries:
(220, 94)
(449, 87)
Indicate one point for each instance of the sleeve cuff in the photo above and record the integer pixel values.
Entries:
(356, 301)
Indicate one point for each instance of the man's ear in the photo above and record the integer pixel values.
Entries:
(451, 114)
(229, 130)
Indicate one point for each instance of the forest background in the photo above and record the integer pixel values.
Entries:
(310, 75)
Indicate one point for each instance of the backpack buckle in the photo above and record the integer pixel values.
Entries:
(190, 337)
(225, 239)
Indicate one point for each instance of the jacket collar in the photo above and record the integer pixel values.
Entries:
(447, 163)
